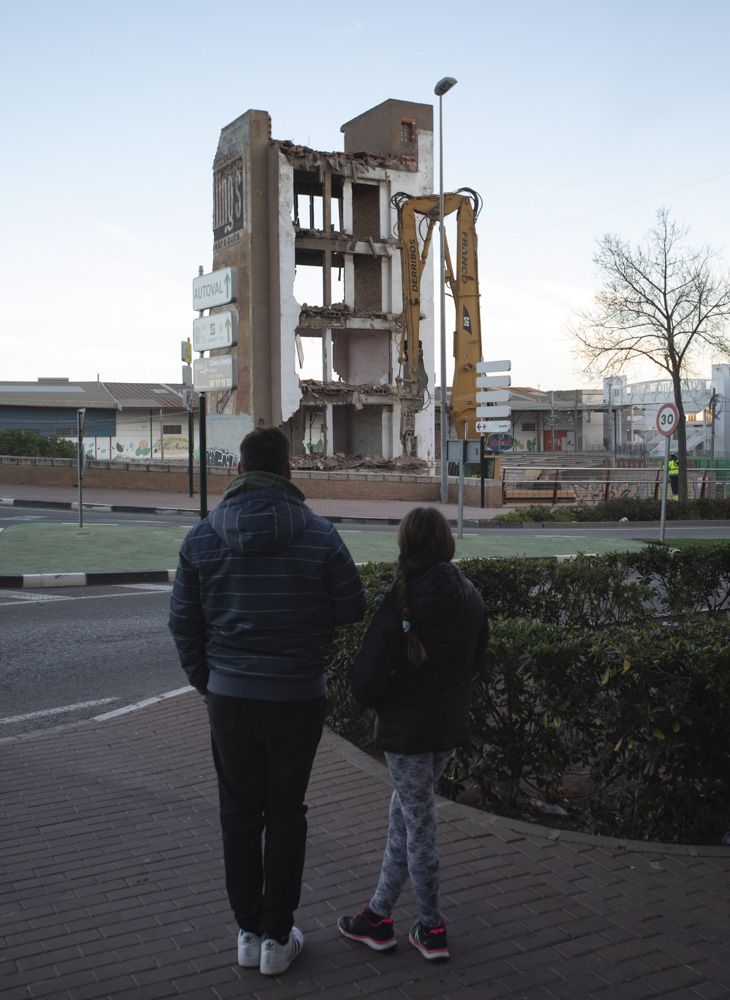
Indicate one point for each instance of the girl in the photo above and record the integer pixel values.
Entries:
(415, 667)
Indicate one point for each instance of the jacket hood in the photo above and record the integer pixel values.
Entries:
(439, 588)
(261, 513)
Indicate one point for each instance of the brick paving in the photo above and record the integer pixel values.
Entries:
(113, 886)
(148, 499)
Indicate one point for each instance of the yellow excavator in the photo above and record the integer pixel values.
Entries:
(417, 217)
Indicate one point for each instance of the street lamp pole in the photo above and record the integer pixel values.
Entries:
(441, 88)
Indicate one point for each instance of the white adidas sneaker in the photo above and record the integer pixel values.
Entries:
(249, 950)
(276, 958)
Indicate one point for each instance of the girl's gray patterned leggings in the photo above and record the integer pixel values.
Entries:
(411, 848)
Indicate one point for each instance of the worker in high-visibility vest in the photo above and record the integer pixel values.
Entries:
(673, 473)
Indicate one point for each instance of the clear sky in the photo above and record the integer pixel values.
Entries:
(572, 118)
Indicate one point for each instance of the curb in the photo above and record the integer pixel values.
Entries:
(103, 508)
(40, 580)
(489, 822)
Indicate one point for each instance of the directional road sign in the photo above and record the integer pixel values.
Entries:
(493, 426)
(493, 396)
(214, 289)
(493, 366)
(667, 419)
(493, 381)
(214, 374)
(214, 331)
(494, 412)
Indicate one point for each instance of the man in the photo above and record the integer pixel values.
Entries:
(673, 473)
(260, 586)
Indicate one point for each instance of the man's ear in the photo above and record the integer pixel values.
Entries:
(287, 471)
(239, 468)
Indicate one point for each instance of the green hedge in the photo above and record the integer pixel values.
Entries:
(618, 665)
(628, 507)
(29, 444)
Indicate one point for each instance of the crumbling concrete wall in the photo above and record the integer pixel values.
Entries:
(286, 207)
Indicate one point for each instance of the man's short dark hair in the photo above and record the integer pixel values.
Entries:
(265, 450)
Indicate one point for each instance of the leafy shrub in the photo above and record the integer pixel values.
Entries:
(581, 672)
(538, 512)
(30, 444)
(522, 707)
(662, 767)
(633, 508)
(510, 587)
(687, 582)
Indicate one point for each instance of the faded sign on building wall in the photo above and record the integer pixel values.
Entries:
(224, 433)
(228, 203)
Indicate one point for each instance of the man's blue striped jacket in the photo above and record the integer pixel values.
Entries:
(260, 586)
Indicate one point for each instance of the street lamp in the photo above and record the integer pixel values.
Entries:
(441, 88)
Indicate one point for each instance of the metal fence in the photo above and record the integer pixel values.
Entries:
(554, 485)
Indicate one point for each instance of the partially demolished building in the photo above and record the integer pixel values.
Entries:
(288, 218)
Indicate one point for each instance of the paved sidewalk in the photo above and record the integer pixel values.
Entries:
(113, 886)
(144, 499)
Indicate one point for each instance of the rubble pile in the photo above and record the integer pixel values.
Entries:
(344, 463)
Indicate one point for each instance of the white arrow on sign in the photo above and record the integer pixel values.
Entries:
(489, 381)
(495, 396)
(493, 426)
(494, 366)
(494, 412)
(214, 289)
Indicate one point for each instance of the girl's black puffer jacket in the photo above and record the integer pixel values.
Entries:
(425, 708)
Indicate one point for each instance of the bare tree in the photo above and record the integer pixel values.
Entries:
(662, 302)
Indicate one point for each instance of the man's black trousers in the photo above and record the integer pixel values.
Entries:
(263, 753)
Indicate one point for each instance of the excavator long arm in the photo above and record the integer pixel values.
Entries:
(463, 282)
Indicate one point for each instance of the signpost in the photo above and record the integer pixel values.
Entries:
(186, 354)
(462, 451)
(493, 397)
(210, 333)
(667, 419)
(81, 461)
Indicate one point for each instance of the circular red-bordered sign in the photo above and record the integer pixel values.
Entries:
(667, 419)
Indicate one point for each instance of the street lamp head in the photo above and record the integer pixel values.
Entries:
(444, 86)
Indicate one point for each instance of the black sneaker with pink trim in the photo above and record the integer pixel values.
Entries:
(432, 942)
(369, 928)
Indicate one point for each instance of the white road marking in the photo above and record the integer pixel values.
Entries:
(141, 704)
(29, 597)
(40, 598)
(55, 711)
(157, 587)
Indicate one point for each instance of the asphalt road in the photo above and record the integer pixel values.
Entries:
(17, 514)
(705, 529)
(74, 653)
(70, 654)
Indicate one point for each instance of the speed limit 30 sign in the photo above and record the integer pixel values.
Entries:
(667, 419)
